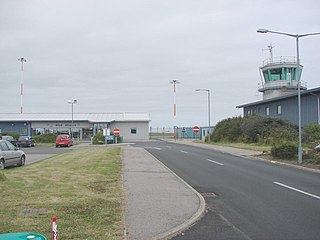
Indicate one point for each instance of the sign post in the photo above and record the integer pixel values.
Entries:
(116, 133)
(196, 129)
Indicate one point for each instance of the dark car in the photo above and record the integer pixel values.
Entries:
(10, 155)
(25, 141)
(63, 140)
(10, 139)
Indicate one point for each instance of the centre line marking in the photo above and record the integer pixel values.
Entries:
(297, 190)
(153, 148)
(221, 164)
(183, 151)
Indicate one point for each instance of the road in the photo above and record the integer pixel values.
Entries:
(246, 199)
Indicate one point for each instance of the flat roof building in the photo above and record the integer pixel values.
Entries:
(133, 126)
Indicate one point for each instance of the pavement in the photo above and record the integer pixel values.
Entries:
(159, 204)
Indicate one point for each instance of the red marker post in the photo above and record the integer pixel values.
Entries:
(54, 228)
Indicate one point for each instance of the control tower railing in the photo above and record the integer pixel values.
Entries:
(280, 60)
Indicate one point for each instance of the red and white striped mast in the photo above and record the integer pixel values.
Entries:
(22, 60)
(174, 82)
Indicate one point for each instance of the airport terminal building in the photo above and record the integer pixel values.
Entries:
(133, 126)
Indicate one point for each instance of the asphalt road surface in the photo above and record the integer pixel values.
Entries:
(245, 198)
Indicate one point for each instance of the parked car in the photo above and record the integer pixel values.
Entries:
(10, 155)
(10, 139)
(25, 141)
(63, 140)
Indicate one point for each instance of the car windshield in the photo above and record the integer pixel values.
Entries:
(7, 138)
(23, 138)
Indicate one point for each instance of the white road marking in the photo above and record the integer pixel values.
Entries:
(221, 164)
(297, 190)
(183, 151)
(153, 148)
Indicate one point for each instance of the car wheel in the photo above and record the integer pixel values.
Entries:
(22, 160)
(2, 164)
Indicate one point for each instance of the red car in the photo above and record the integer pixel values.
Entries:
(63, 140)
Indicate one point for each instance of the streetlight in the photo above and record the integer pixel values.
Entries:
(208, 91)
(72, 102)
(22, 60)
(174, 82)
(296, 36)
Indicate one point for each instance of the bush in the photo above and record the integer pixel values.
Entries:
(258, 129)
(311, 133)
(98, 138)
(227, 130)
(312, 156)
(45, 138)
(285, 151)
(13, 134)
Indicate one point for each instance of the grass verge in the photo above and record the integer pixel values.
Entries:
(247, 146)
(82, 188)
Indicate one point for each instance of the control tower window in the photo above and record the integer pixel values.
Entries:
(275, 74)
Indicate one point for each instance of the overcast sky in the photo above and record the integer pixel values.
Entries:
(120, 56)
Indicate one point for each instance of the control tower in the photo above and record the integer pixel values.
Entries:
(279, 76)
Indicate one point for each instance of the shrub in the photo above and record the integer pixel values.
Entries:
(311, 133)
(13, 134)
(45, 138)
(267, 130)
(312, 156)
(227, 130)
(285, 151)
(98, 138)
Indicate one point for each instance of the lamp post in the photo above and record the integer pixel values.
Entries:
(22, 60)
(297, 37)
(174, 82)
(72, 102)
(208, 91)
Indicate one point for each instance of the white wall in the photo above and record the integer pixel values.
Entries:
(142, 130)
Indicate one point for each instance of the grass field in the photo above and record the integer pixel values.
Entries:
(82, 188)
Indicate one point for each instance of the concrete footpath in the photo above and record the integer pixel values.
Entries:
(158, 202)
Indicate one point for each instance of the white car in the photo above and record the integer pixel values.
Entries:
(10, 155)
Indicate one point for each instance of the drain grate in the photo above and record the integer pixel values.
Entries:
(208, 194)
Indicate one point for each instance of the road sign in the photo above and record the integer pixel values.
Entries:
(116, 131)
(196, 129)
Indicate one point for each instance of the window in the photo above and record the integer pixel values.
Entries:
(279, 110)
(3, 146)
(276, 74)
(133, 131)
(267, 111)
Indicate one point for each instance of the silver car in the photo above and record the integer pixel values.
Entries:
(10, 155)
